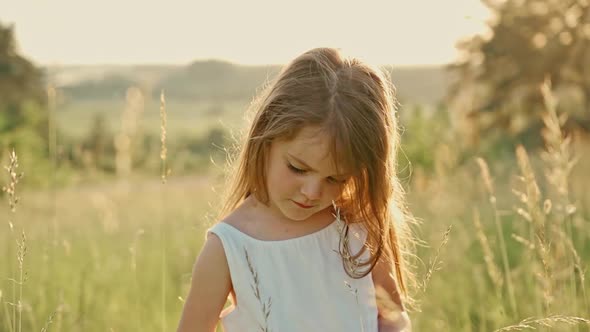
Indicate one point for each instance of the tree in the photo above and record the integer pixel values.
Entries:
(23, 109)
(500, 74)
(21, 90)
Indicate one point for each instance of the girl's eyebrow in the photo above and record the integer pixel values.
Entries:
(301, 162)
(307, 166)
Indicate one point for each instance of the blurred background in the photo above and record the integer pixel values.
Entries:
(117, 120)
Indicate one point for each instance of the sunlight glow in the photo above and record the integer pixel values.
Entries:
(247, 32)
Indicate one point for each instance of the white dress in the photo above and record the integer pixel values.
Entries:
(296, 285)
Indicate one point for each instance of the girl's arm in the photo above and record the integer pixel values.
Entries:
(392, 315)
(210, 287)
(400, 325)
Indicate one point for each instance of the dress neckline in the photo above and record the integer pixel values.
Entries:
(293, 239)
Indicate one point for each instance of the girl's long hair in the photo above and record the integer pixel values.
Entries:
(354, 104)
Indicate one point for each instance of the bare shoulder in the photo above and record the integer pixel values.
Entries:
(210, 287)
(243, 218)
(235, 218)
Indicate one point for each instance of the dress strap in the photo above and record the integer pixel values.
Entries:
(236, 252)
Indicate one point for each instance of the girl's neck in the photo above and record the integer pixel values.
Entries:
(260, 210)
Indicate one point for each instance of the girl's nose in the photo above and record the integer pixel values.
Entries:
(312, 190)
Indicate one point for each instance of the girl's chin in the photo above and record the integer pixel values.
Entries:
(297, 213)
(298, 216)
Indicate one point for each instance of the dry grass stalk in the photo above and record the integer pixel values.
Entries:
(20, 255)
(546, 321)
(434, 263)
(558, 155)
(523, 241)
(486, 177)
(560, 162)
(163, 149)
(17, 303)
(14, 178)
(49, 321)
(13, 200)
(354, 291)
(487, 180)
(163, 175)
(352, 262)
(531, 198)
(493, 271)
(9, 326)
(52, 134)
(265, 306)
(126, 138)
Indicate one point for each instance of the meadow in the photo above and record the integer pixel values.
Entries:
(504, 242)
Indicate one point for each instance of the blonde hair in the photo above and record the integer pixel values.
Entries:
(355, 105)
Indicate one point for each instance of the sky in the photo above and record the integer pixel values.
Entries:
(251, 32)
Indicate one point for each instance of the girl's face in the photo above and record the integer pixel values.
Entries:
(301, 176)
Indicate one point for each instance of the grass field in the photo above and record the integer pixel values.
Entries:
(184, 118)
(117, 255)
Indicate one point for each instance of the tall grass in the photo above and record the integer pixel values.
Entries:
(526, 267)
(15, 324)
(163, 228)
(123, 253)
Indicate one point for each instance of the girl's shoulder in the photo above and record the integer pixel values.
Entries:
(240, 220)
(248, 222)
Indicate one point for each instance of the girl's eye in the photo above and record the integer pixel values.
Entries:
(295, 169)
(302, 171)
(335, 181)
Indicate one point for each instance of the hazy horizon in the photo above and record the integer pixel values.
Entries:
(70, 33)
(163, 64)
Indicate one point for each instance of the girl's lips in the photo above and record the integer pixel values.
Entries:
(303, 206)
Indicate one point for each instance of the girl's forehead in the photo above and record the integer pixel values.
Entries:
(314, 147)
(311, 135)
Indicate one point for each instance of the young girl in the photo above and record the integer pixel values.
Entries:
(313, 231)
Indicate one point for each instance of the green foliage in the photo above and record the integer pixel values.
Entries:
(186, 153)
(111, 86)
(23, 110)
(20, 80)
(423, 130)
(499, 78)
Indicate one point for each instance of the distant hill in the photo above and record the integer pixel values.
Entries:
(421, 84)
(218, 80)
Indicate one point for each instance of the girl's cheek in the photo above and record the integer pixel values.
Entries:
(337, 192)
(287, 178)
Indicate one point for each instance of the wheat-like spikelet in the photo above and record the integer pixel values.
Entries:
(352, 263)
(493, 271)
(489, 184)
(558, 148)
(14, 178)
(265, 306)
(559, 164)
(355, 293)
(20, 255)
(434, 263)
(48, 322)
(536, 217)
(523, 241)
(163, 149)
(13, 200)
(530, 323)
(486, 177)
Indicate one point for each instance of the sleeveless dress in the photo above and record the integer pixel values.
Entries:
(297, 284)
